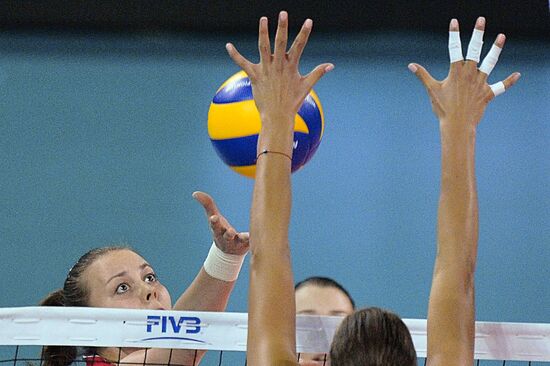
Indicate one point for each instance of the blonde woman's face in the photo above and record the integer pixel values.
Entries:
(123, 279)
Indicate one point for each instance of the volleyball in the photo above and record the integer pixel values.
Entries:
(234, 124)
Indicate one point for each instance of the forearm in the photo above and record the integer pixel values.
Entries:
(271, 314)
(278, 90)
(459, 101)
(458, 209)
(451, 312)
(206, 293)
(271, 200)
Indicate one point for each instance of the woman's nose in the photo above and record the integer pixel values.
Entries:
(151, 294)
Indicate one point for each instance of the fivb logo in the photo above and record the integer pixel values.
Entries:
(173, 327)
(173, 324)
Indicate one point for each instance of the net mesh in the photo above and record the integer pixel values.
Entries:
(25, 331)
(29, 355)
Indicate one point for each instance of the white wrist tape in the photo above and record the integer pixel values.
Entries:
(223, 266)
(490, 60)
(498, 88)
(455, 47)
(476, 43)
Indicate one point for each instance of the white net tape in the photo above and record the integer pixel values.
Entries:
(99, 327)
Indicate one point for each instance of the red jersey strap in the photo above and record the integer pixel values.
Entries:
(96, 361)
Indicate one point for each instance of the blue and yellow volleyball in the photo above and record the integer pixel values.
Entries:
(234, 124)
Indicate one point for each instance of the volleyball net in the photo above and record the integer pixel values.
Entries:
(25, 331)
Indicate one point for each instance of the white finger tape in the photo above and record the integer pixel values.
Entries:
(490, 60)
(498, 88)
(474, 48)
(455, 47)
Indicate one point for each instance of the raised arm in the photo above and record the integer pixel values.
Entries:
(278, 90)
(459, 102)
(212, 286)
(210, 290)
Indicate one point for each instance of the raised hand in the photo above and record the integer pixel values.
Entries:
(464, 94)
(459, 102)
(227, 239)
(279, 90)
(277, 86)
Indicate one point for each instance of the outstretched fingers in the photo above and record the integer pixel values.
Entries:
(297, 48)
(491, 59)
(489, 63)
(502, 86)
(207, 203)
(239, 59)
(281, 38)
(511, 80)
(317, 73)
(476, 43)
(215, 220)
(423, 75)
(264, 46)
(455, 46)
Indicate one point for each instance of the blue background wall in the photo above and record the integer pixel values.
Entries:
(103, 139)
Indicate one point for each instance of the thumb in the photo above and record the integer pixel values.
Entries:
(421, 73)
(317, 73)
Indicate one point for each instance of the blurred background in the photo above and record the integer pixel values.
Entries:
(103, 111)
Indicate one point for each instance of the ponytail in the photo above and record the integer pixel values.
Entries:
(55, 298)
(57, 355)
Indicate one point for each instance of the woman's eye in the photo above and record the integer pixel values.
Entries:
(151, 277)
(122, 288)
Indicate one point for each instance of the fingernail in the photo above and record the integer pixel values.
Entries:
(454, 23)
(228, 46)
(329, 68)
(481, 21)
(282, 15)
(308, 23)
(413, 68)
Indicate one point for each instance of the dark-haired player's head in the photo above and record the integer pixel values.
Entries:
(372, 336)
(321, 296)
